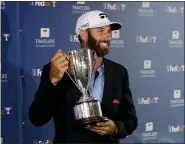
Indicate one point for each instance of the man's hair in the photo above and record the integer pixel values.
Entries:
(80, 39)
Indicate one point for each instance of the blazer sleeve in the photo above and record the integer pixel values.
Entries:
(40, 111)
(127, 120)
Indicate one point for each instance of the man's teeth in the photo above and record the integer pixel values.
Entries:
(104, 44)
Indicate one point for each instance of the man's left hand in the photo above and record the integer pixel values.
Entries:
(103, 128)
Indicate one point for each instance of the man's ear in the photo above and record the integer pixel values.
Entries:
(84, 36)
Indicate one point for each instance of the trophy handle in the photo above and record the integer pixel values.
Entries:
(67, 71)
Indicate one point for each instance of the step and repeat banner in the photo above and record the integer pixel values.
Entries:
(150, 45)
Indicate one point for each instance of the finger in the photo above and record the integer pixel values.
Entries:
(59, 60)
(58, 53)
(65, 63)
(62, 70)
(103, 124)
(106, 118)
(99, 128)
(62, 64)
(65, 68)
(66, 55)
(71, 65)
(100, 132)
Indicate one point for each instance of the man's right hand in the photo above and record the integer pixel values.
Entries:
(59, 64)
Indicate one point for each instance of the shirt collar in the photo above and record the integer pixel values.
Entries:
(100, 70)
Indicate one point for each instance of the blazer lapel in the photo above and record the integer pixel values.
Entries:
(108, 75)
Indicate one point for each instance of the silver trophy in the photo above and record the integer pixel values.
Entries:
(81, 67)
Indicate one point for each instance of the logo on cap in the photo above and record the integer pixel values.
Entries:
(102, 15)
(85, 25)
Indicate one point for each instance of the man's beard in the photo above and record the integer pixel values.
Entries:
(94, 45)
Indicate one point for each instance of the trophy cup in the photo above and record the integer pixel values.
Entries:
(81, 67)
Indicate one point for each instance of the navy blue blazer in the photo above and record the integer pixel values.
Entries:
(57, 102)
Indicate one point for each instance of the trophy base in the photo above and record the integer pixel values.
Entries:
(92, 120)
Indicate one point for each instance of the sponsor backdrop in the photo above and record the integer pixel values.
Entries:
(150, 45)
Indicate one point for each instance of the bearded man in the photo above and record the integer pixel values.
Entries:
(57, 94)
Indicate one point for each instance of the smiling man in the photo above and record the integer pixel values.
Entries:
(57, 94)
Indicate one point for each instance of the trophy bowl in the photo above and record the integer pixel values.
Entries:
(87, 109)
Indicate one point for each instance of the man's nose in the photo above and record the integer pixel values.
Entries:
(106, 36)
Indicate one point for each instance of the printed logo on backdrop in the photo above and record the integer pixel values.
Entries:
(148, 101)
(148, 72)
(177, 100)
(114, 6)
(175, 68)
(36, 72)
(149, 133)
(42, 142)
(4, 77)
(5, 36)
(1, 140)
(176, 129)
(43, 4)
(174, 9)
(73, 38)
(146, 9)
(6, 110)
(146, 39)
(116, 42)
(45, 40)
(2, 5)
(80, 7)
(175, 42)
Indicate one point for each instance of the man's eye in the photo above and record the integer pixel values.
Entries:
(101, 30)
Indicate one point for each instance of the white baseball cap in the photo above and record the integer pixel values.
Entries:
(93, 19)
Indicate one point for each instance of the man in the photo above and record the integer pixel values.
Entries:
(57, 95)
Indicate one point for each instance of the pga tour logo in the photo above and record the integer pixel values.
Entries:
(146, 39)
(115, 6)
(44, 40)
(174, 9)
(177, 101)
(175, 42)
(5, 36)
(149, 132)
(148, 71)
(6, 110)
